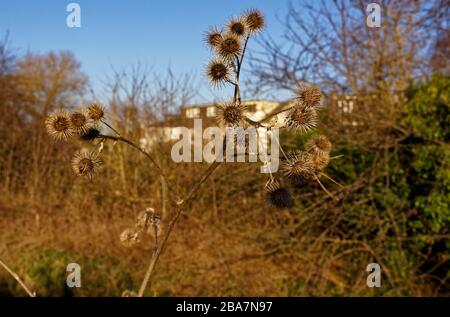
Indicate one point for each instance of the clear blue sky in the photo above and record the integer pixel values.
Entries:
(120, 33)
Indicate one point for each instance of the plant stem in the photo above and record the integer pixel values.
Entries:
(17, 278)
(109, 126)
(174, 220)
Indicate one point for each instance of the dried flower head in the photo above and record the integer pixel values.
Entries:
(79, 121)
(229, 47)
(58, 125)
(318, 144)
(230, 114)
(143, 220)
(237, 26)
(217, 72)
(278, 196)
(213, 37)
(254, 21)
(86, 164)
(148, 221)
(129, 237)
(302, 117)
(90, 134)
(128, 293)
(299, 166)
(320, 160)
(309, 95)
(95, 111)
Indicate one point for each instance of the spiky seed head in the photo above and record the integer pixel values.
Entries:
(278, 196)
(299, 166)
(148, 221)
(230, 114)
(95, 111)
(320, 160)
(254, 20)
(86, 164)
(217, 72)
(318, 144)
(90, 134)
(309, 95)
(229, 47)
(80, 122)
(58, 125)
(143, 220)
(302, 117)
(129, 237)
(237, 26)
(128, 293)
(213, 37)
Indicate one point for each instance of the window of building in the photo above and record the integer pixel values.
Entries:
(193, 113)
(346, 105)
(210, 111)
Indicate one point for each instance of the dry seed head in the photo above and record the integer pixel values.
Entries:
(95, 111)
(90, 134)
(79, 121)
(143, 220)
(299, 166)
(86, 164)
(302, 117)
(254, 20)
(319, 144)
(129, 237)
(217, 72)
(320, 160)
(229, 47)
(278, 196)
(128, 293)
(237, 26)
(58, 125)
(230, 114)
(310, 95)
(213, 37)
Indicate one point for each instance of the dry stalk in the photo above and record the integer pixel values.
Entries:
(17, 278)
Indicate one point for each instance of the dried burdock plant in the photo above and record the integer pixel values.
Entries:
(230, 114)
(95, 111)
(223, 70)
(237, 26)
(213, 37)
(217, 72)
(80, 121)
(85, 163)
(318, 144)
(302, 117)
(90, 134)
(311, 96)
(229, 47)
(299, 166)
(278, 195)
(58, 125)
(128, 293)
(129, 237)
(254, 20)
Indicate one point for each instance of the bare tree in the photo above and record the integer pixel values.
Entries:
(154, 95)
(7, 58)
(328, 43)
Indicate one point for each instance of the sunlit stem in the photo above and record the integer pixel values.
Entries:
(324, 188)
(331, 179)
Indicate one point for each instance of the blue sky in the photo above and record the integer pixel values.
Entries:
(120, 33)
